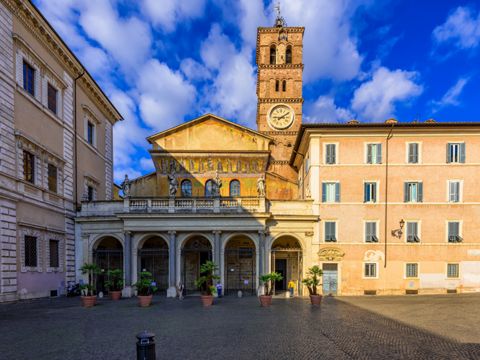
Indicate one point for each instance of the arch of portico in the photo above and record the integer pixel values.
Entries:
(107, 253)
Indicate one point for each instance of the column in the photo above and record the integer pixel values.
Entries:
(261, 253)
(172, 264)
(218, 249)
(127, 255)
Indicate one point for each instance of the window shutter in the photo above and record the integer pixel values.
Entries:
(337, 192)
(449, 157)
(462, 153)
(420, 192)
(324, 192)
(374, 192)
(379, 153)
(369, 154)
(367, 227)
(365, 192)
(405, 192)
(333, 154)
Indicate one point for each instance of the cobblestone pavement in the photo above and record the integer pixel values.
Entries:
(233, 329)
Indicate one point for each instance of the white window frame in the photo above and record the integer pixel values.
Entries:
(94, 142)
(337, 147)
(460, 230)
(325, 231)
(419, 231)
(405, 276)
(377, 270)
(366, 153)
(377, 191)
(446, 270)
(460, 191)
(321, 190)
(419, 152)
(456, 142)
(416, 200)
(377, 230)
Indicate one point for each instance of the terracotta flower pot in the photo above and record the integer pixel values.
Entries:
(207, 300)
(144, 301)
(265, 300)
(316, 299)
(88, 301)
(115, 295)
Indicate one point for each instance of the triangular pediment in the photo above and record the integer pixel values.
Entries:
(210, 133)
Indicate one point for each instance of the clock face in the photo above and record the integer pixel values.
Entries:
(280, 117)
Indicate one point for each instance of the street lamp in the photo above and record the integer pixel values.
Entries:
(398, 232)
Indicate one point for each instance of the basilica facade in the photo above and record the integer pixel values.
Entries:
(388, 208)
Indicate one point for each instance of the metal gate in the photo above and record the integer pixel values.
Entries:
(330, 279)
(106, 259)
(192, 260)
(240, 271)
(155, 260)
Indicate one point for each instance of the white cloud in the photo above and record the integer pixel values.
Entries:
(147, 164)
(251, 15)
(375, 99)
(462, 28)
(193, 70)
(165, 97)
(324, 110)
(169, 13)
(450, 98)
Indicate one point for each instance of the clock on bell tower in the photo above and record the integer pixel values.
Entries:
(279, 90)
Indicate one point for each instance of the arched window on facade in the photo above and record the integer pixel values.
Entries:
(209, 188)
(273, 55)
(234, 188)
(277, 85)
(186, 188)
(284, 85)
(288, 55)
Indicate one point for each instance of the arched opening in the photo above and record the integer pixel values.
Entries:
(107, 255)
(240, 266)
(234, 188)
(284, 85)
(153, 257)
(209, 188)
(273, 55)
(277, 85)
(186, 187)
(195, 252)
(288, 55)
(286, 259)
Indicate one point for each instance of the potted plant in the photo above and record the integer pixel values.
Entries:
(115, 283)
(312, 282)
(88, 296)
(268, 281)
(145, 288)
(205, 282)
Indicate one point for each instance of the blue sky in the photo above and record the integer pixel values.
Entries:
(163, 62)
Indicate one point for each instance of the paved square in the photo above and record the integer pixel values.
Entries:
(343, 328)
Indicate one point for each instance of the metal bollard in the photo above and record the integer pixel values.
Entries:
(146, 346)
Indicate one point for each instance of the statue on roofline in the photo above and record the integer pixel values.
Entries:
(125, 186)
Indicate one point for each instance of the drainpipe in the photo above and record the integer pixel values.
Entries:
(75, 170)
(389, 136)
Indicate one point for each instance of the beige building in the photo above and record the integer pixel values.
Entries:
(382, 208)
(56, 150)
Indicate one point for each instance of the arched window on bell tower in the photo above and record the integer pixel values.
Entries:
(277, 85)
(288, 55)
(284, 85)
(273, 55)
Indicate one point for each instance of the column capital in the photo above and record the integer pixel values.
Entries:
(128, 232)
(216, 232)
(172, 232)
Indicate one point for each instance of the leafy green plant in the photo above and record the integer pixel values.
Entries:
(312, 281)
(268, 280)
(145, 284)
(207, 276)
(91, 270)
(115, 280)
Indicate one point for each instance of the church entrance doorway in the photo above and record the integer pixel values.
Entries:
(286, 259)
(195, 252)
(107, 255)
(240, 269)
(153, 257)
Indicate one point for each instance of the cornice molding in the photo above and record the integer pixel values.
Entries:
(280, 100)
(280, 66)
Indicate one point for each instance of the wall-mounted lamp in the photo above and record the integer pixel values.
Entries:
(398, 232)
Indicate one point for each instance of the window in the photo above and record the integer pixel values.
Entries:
(52, 178)
(413, 153)
(453, 270)
(330, 154)
(284, 85)
(52, 98)
(413, 192)
(412, 232)
(186, 188)
(277, 85)
(331, 192)
(29, 167)
(29, 78)
(90, 133)
(411, 270)
(454, 232)
(370, 270)
(30, 251)
(234, 188)
(455, 152)
(371, 232)
(454, 191)
(330, 231)
(374, 153)
(54, 254)
(90, 193)
(209, 188)
(370, 192)
(288, 55)
(273, 55)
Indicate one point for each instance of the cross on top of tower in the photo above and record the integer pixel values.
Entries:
(279, 21)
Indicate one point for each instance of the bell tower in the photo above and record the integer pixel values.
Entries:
(279, 90)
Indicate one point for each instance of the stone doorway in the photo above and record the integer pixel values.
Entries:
(240, 266)
(286, 258)
(195, 252)
(153, 257)
(107, 255)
